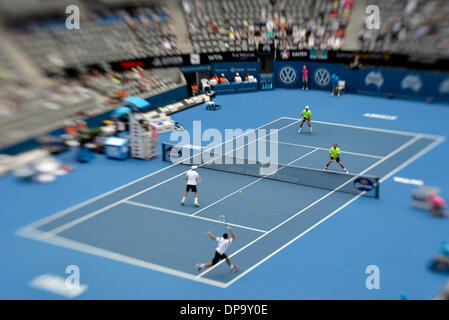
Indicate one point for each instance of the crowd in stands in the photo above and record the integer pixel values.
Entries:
(135, 82)
(146, 29)
(26, 110)
(30, 110)
(410, 27)
(234, 25)
(106, 36)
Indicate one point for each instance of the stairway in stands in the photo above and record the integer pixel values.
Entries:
(175, 11)
(355, 24)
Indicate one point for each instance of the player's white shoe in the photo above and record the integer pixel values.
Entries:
(196, 204)
(235, 268)
(346, 170)
(310, 129)
(325, 168)
(182, 202)
(299, 130)
(198, 268)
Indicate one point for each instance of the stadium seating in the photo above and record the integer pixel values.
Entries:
(139, 83)
(409, 27)
(31, 111)
(110, 35)
(233, 25)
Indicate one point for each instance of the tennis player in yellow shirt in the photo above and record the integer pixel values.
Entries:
(306, 116)
(334, 154)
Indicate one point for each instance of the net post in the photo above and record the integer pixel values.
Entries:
(377, 188)
(164, 152)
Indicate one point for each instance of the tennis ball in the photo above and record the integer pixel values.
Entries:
(241, 191)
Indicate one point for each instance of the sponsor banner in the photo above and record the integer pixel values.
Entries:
(369, 80)
(193, 59)
(365, 184)
(318, 54)
(293, 55)
(184, 104)
(168, 61)
(384, 59)
(235, 88)
(266, 50)
(198, 68)
(287, 76)
(229, 56)
(229, 69)
(367, 58)
(158, 62)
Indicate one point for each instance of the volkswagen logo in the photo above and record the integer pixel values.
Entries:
(322, 77)
(287, 75)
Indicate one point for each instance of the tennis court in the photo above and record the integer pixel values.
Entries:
(143, 223)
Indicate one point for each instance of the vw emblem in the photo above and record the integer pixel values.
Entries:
(287, 75)
(322, 77)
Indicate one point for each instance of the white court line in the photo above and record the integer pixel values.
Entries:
(79, 246)
(64, 212)
(405, 133)
(416, 156)
(248, 185)
(405, 145)
(86, 217)
(313, 147)
(143, 205)
(62, 241)
(406, 163)
(293, 240)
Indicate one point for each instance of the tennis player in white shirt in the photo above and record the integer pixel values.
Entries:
(223, 245)
(192, 178)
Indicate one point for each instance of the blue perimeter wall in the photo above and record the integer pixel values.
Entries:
(96, 121)
(376, 81)
(227, 68)
(230, 68)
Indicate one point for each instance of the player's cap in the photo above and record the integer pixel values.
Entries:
(237, 73)
(307, 107)
(194, 167)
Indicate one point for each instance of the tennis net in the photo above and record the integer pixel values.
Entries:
(311, 177)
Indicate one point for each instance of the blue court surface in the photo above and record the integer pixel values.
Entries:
(122, 224)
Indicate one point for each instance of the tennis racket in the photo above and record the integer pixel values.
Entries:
(223, 220)
(199, 179)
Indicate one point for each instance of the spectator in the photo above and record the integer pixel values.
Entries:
(305, 78)
(356, 64)
(437, 206)
(223, 79)
(215, 77)
(334, 82)
(194, 89)
(237, 78)
(348, 4)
